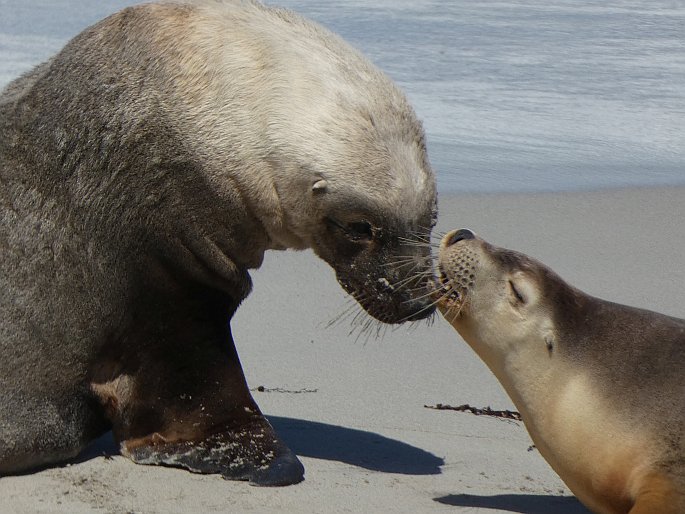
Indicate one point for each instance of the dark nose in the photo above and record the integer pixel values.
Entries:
(460, 235)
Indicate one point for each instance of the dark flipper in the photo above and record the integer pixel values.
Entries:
(185, 403)
(253, 452)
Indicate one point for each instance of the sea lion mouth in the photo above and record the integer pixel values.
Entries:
(447, 293)
(389, 304)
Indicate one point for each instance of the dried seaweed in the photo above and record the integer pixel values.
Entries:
(486, 411)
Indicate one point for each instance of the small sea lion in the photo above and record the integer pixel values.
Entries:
(143, 171)
(599, 385)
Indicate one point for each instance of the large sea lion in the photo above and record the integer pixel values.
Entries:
(599, 385)
(144, 170)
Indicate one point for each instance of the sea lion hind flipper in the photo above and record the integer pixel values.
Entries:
(253, 453)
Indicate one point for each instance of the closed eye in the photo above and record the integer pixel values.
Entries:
(516, 292)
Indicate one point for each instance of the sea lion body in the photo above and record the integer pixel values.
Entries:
(599, 385)
(144, 170)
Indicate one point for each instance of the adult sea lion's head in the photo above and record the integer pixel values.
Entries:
(327, 154)
(373, 216)
(377, 242)
(364, 199)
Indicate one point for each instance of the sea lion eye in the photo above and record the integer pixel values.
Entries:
(360, 230)
(355, 231)
(516, 292)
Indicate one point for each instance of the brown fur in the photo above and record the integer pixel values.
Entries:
(599, 385)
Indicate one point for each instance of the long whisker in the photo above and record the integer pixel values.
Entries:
(366, 330)
(426, 234)
(359, 318)
(429, 294)
(415, 324)
(402, 284)
(417, 244)
(416, 278)
(430, 306)
(424, 262)
(413, 257)
(346, 313)
(397, 267)
(454, 316)
(400, 260)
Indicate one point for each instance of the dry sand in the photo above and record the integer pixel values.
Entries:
(356, 412)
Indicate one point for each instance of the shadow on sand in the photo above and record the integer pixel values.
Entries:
(519, 503)
(103, 446)
(357, 447)
(329, 442)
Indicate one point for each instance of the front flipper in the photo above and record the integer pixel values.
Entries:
(250, 452)
(659, 494)
(179, 398)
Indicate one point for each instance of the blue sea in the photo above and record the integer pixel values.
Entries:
(515, 96)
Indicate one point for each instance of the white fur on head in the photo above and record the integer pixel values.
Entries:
(274, 101)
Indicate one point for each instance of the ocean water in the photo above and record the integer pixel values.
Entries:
(514, 95)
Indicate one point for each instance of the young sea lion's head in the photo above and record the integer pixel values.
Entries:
(498, 299)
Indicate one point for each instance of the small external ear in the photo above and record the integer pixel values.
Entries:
(549, 342)
(320, 186)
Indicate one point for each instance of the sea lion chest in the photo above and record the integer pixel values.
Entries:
(574, 426)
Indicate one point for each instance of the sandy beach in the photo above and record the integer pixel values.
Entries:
(352, 405)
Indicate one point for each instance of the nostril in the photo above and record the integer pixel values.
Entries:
(460, 235)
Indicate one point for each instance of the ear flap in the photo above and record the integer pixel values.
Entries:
(320, 186)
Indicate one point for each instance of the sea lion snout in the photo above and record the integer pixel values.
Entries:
(456, 264)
